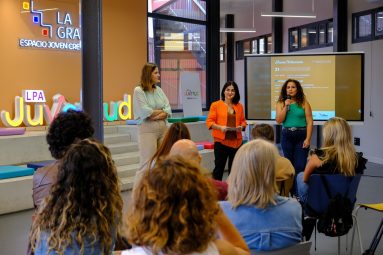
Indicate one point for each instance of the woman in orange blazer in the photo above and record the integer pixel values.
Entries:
(227, 120)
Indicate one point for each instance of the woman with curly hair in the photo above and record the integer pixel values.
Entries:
(174, 211)
(294, 112)
(83, 211)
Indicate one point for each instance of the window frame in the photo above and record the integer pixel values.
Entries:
(223, 59)
(314, 25)
(239, 46)
(160, 16)
(355, 25)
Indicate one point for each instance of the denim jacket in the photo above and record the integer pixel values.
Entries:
(274, 227)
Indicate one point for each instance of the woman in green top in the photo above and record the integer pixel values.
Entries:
(294, 112)
(151, 109)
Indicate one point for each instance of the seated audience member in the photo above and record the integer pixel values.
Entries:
(188, 150)
(175, 132)
(337, 156)
(265, 220)
(284, 169)
(83, 211)
(63, 131)
(174, 211)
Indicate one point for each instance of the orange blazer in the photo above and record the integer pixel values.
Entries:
(218, 115)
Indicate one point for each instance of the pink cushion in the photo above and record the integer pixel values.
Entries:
(206, 144)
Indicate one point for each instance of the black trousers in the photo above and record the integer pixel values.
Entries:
(221, 153)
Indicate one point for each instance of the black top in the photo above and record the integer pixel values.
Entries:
(330, 167)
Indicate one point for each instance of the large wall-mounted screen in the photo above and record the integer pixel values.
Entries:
(332, 83)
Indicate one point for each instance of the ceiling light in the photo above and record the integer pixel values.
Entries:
(310, 15)
(289, 14)
(239, 30)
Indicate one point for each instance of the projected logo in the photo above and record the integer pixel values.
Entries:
(56, 28)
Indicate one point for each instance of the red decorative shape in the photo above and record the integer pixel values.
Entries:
(45, 32)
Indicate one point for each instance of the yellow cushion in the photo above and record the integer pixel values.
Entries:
(377, 207)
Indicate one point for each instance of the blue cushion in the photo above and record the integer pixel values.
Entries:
(202, 118)
(131, 122)
(36, 165)
(200, 147)
(14, 171)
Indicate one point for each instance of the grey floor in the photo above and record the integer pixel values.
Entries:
(14, 227)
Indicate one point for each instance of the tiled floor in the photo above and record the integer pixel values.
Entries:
(14, 227)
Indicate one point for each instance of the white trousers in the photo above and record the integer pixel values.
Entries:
(150, 135)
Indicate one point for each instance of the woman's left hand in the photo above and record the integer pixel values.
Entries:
(239, 129)
(306, 143)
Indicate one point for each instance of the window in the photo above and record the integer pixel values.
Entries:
(322, 34)
(222, 53)
(256, 45)
(269, 44)
(293, 43)
(379, 23)
(310, 36)
(367, 25)
(177, 43)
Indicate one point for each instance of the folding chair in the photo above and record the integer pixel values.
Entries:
(379, 232)
(318, 200)
(302, 248)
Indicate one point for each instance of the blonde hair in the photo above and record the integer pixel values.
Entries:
(146, 76)
(85, 203)
(338, 146)
(252, 178)
(173, 209)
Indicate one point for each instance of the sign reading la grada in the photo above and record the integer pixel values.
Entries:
(53, 28)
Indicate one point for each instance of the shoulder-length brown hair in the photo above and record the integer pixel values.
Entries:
(146, 76)
(299, 98)
(85, 204)
(175, 132)
(173, 210)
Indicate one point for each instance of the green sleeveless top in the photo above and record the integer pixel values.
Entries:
(295, 117)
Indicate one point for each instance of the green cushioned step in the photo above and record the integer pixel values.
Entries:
(14, 171)
(184, 119)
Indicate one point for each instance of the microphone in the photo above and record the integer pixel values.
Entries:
(288, 106)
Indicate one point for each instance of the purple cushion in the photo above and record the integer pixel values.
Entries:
(11, 131)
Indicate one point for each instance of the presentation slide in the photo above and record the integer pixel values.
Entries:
(332, 83)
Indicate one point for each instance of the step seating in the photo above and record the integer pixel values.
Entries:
(16, 193)
(7, 172)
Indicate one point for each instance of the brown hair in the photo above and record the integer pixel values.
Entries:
(176, 131)
(146, 76)
(264, 131)
(85, 203)
(173, 209)
(299, 98)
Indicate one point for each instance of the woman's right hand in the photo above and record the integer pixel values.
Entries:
(287, 102)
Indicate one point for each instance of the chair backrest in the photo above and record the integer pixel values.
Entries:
(302, 248)
(317, 199)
